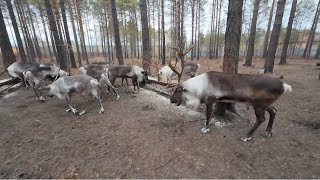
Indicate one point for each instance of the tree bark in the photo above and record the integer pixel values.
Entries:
(283, 59)
(74, 32)
(198, 46)
(6, 50)
(27, 38)
(64, 19)
(306, 52)
(146, 58)
(45, 33)
(82, 39)
(252, 37)
(266, 38)
(218, 34)
(116, 32)
(57, 40)
(16, 31)
(274, 39)
(232, 46)
(34, 34)
(163, 34)
(192, 27)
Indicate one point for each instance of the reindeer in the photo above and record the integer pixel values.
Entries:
(82, 84)
(37, 75)
(137, 74)
(16, 70)
(190, 69)
(259, 91)
(93, 68)
(101, 73)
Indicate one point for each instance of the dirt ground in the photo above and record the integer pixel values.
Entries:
(143, 136)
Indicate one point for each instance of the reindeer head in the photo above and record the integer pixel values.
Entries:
(177, 96)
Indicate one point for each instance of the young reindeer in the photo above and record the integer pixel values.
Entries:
(190, 69)
(82, 84)
(38, 74)
(94, 69)
(137, 74)
(259, 91)
(101, 73)
(16, 70)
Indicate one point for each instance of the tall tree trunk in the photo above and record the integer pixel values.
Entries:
(116, 32)
(45, 33)
(16, 31)
(57, 17)
(96, 39)
(266, 38)
(58, 41)
(211, 31)
(6, 50)
(318, 52)
(136, 23)
(159, 30)
(108, 38)
(27, 38)
(89, 34)
(163, 34)
(192, 27)
(199, 18)
(274, 39)
(232, 46)
(306, 52)
(283, 59)
(218, 34)
(232, 37)
(74, 32)
(146, 58)
(82, 39)
(181, 26)
(64, 19)
(34, 34)
(252, 37)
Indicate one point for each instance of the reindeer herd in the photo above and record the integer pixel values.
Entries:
(258, 91)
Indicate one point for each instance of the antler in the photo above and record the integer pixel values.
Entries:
(181, 56)
(186, 52)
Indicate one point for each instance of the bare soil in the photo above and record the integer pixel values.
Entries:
(143, 136)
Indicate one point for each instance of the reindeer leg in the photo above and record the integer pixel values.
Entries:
(209, 105)
(83, 111)
(37, 90)
(127, 81)
(95, 94)
(122, 82)
(115, 92)
(272, 111)
(134, 84)
(260, 119)
(68, 99)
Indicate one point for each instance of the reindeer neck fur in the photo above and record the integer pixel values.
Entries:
(198, 88)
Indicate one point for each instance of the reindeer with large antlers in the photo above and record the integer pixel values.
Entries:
(181, 54)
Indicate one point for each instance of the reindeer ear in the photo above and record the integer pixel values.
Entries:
(184, 89)
(45, 87)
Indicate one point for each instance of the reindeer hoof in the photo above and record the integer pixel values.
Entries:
(68, 110)
(75, 112)
(41, 99)
(101, 111)
(118, 97)
(205, 130)
(266, 134)
(82, 112)
(245, 139)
